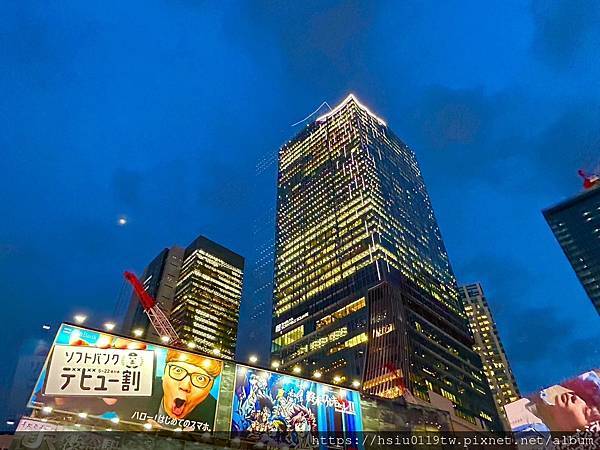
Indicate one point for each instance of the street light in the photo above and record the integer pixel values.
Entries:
(191, 344)
(356, 384)
(47, 409)
(253, 359)
(82, 415)
(138, 332)
(216, 351)
(79, 318)
(297, 369)
(317, 374)
(275, 364)
(337, 379)
(148, 426)
(165, 339)
(109, 326)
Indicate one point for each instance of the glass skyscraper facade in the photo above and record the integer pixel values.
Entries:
(489, 346)
(206, 308)
(364, 292)
(576, 225)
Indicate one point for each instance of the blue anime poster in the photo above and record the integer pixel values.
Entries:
(271, 406)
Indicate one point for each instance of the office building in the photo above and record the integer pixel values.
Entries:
(364, 293)
(489, 346)
(206, 308)
(576, 225)
(160, 280)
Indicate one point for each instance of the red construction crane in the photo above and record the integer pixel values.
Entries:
(589, 180)
(157, 317)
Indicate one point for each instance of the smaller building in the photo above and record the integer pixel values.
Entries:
(160, 281)
(31, 358)
(489, 346)
(206, 308)
(576, 225)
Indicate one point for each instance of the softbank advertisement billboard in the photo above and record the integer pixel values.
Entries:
(102, 376)
(132, 384)
(573, 405)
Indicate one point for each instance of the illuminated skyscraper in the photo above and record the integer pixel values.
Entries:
(160, 280)
(206, 309)
(489, 347)
(364, 292)
(576, 225)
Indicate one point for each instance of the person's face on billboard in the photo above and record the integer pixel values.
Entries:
(569, 412)
(185, 386)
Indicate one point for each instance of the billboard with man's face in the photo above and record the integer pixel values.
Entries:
(128, 381)
(569, 406)
(286, 407)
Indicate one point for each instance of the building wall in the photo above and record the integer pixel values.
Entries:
(207, 301)
(576, 226)
(353, 212)
(381, 415)
(489, 347)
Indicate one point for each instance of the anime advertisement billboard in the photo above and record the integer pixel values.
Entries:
(285, 407)
(573, 405)
(126, 381)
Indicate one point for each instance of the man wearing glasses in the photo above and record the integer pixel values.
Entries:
(187, 382)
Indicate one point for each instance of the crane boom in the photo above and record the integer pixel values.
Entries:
(145, 299)
(157, 317)
(589, 180)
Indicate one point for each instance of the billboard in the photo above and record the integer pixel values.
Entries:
(573, 405)
(285, 407)
(103, 376)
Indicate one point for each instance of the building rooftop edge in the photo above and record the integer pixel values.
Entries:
(348, 98)
(570, 201)
(228, 255)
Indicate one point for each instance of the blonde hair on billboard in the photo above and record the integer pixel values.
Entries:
(211, 366)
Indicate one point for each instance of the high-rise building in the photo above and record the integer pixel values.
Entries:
(257, 300)
(576, 225)
(489, 346)
(206, 308)
(160, 280)
(364, 292)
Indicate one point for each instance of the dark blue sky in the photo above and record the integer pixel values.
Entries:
(161, 111)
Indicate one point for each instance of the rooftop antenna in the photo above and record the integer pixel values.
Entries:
(313, 113)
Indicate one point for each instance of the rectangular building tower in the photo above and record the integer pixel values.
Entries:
(206, 309)
(364, 292)
(489, 347)
(576, 225)
(160, 280)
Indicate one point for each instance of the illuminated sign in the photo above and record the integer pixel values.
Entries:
(385, 329)
(126, 381)
(95, 371)
(569, 406)
(278, 406)
(289, 322)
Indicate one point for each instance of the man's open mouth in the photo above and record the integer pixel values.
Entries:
(178, 405)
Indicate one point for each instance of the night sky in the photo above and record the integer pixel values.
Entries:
(161, 111)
